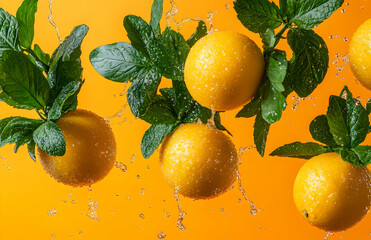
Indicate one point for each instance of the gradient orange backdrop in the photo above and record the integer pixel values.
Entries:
(27, 193)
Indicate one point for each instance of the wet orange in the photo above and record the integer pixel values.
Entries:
(90, 150)
(223, 70)
(199, 161)
(332, 194)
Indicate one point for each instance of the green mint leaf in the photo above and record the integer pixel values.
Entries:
(15, 128)
(156, 15)
(218, 124)
(307, 14)
(31, 150)
(8, 100)
(251, 109)
(337, 120)
(300, 150)
(261, 129)
(22, 141)
(65, 63)
(50, 139)
(357, 118)
(21, 80)
(358, 122)
(142, 91)
(143, 39)
(153, 137)
(56, 110)
(258, 15)
(274, 103)
(8, 32)
(119, 62)
(160, 112)
(177, 48)
(310, 62)
(200, 32)
(359, 156)
(320, 130)
(139, 33)
(183, 100)
(196, 113)
(26, 20)
(44, 57)
(269, 39)
(283, 7)
(277, 69)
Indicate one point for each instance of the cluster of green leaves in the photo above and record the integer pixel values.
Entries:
(302, 73)
(31, 79)
(150, 56)
(342, 129)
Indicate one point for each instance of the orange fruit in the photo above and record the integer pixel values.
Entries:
(223, 70)
(199, 161)
(332, 194)
(90, 150)
(360, 54)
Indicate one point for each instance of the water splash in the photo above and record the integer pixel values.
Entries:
(328, 234)
(170, 15)
(211, 121)
(341, 61)
(179, 224)
(253, 210)
(242, 150)
(121, 166)
(209, 20)
(297, 99)
(50, 18)
(118, 115)
(92, 211)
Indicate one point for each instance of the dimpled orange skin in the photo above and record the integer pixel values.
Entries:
(201, 162)
(223, 70)
(332, 194)
(360, 54)
(90, 150)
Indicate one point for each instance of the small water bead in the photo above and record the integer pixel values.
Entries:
(161, 235)
(342, 11)
(142, 191)
(132, 158)
(52, 212)
(141, 216)
(227, 6)
(121, 166)
(53, 235)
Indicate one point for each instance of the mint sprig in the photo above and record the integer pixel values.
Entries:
(302, 73)
(342, 129)
(23, 83)
(151, 55)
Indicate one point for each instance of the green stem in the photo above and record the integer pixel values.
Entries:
(280, 33)
(38, 61)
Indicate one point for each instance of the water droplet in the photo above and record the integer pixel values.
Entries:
(161, 235)
(52, 212)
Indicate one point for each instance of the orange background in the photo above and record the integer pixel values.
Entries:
(27, 193)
